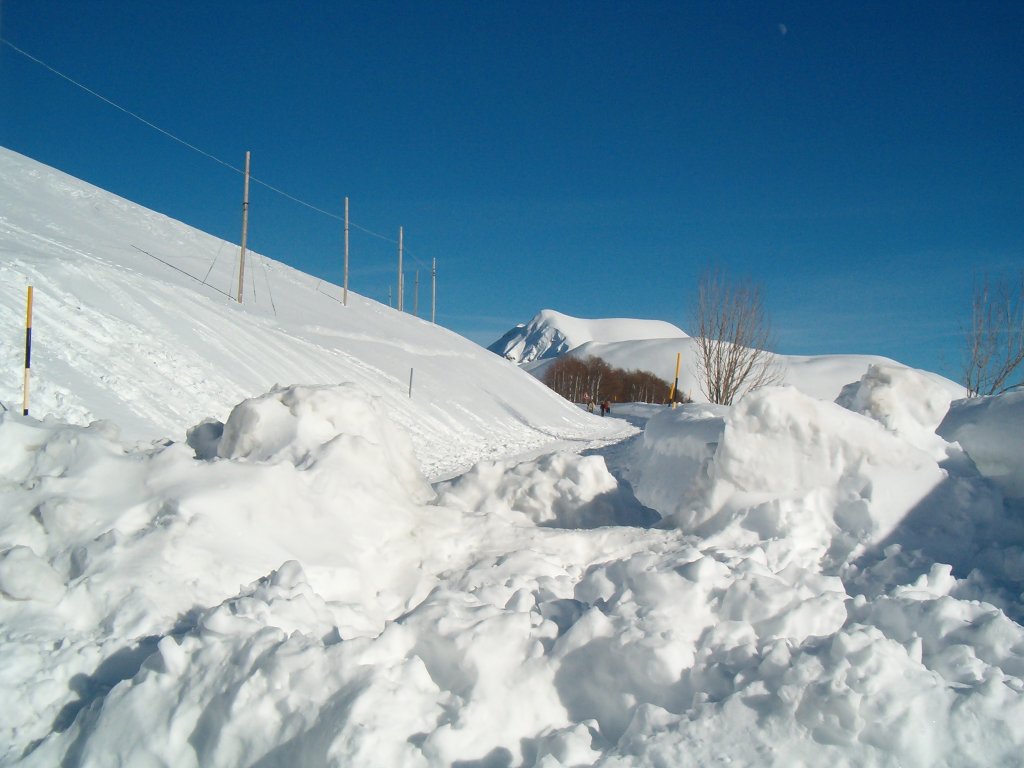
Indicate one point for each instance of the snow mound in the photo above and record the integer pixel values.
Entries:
(560, 490)
(991, 431)
(902, 400)
(326, 425)
(551, 334)
(782, 465)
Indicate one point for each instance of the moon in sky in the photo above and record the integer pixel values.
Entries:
(783, 29)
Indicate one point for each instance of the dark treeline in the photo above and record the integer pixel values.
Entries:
(577, 380)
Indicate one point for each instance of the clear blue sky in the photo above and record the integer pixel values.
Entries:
(860, 160)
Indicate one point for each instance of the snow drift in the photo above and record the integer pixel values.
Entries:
(787, 610)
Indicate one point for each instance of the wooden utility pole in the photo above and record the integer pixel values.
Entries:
(344, 290)
(401, 286)
(245, 229)
(433, 289)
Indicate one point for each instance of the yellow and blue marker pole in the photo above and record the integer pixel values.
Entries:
(28, 350)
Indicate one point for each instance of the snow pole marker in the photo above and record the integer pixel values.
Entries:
(675, 383)
(28, 351)
(410, 382)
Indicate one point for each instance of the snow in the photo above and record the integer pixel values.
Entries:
(991, 431)
(309, 567)
(132, 323)
(550, 334)
(820, 376)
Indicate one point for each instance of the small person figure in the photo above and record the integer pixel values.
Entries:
(606, 407)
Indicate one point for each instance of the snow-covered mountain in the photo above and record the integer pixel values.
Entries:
(551, 334)
(792, 580)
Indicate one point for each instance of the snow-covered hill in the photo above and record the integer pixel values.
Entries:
(134, 323)
(788, 581)
(820, 376)
(551, 334)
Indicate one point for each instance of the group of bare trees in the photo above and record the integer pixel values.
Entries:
(593, 379)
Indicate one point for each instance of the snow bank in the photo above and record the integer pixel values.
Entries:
(285, 589)
(325, 427)
(560, 490)
(781, 464)
(991, 431)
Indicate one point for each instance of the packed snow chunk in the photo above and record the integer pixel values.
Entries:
(559, 490)
(783, 466)
(674, 456)
(24, 576)
(284, 599)
(991, 431)
(908, 402)
(339, 427)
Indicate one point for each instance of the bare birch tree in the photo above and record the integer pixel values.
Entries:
(733, 339)
(994, 347)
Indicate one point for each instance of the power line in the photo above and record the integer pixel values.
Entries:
(143, 120)
(193, 147)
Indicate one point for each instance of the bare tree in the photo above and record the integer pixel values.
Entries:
(733, 339)
(995, 339)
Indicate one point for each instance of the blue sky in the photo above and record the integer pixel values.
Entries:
(859, 160)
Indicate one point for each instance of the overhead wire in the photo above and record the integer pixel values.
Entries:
(193, 147)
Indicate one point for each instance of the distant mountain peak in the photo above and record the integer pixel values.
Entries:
(551, 334)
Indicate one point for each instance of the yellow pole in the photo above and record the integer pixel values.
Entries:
(675, 382)
(28, 351)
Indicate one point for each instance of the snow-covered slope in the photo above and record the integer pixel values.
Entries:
(550, 334)
(134, 322)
